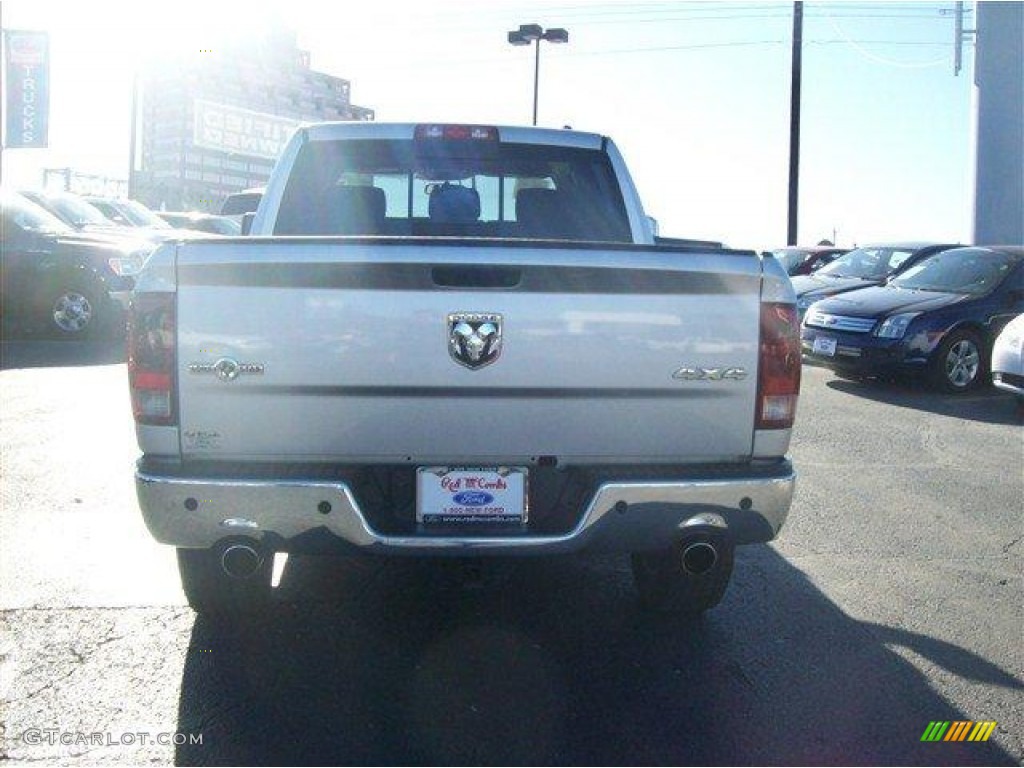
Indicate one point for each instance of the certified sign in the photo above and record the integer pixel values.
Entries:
(233, 129)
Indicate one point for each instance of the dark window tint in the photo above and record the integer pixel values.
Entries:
(964, 270)
(20, 213)
(872, 263)
(512, 190)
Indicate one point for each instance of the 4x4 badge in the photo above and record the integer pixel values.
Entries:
(474, 338)
(688, 373)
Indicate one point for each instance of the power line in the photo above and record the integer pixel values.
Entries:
(618, 9)
(706, 10)
(742, 44)
(744, 16)
(698, 46)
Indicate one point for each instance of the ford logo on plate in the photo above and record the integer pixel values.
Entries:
(473, 498)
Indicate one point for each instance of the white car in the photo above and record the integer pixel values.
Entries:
(1008, 358)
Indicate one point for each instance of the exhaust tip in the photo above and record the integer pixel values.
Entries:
(240, 561)
(699, 557)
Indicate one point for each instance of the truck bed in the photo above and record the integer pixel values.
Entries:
(349, 351)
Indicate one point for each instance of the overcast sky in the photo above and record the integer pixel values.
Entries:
(696, 95)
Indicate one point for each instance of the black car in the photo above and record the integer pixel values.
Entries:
(84, 216)
(73, 211)
(939, 317)
(66, 283)
(860, 268)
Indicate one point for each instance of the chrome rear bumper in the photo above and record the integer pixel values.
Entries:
(621, 516)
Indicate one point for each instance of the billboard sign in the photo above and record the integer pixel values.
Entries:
(241, 131)
(27, 85)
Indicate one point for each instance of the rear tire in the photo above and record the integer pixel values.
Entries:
(75, 312)
(960, 363)
(665, 587)
(213, 593)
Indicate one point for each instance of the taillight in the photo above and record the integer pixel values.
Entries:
(151, 359)
(778, 379)
(456, 132)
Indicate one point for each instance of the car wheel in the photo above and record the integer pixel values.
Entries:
(666, 586)
(959, 362)
(215, 594)
(74, 312)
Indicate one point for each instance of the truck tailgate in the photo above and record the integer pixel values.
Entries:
(342, 352)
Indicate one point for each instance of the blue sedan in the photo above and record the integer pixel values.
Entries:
(861, 268)
(939, 318)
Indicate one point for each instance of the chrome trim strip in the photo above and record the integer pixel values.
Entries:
(446, 392)
(621, 517)
(816, 319)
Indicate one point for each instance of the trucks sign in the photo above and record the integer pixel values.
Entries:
(27, 86)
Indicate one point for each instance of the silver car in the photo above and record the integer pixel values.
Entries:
(1008, 358)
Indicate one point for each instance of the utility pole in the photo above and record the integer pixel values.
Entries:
(959, 36)
(794, 122)
(536, 80)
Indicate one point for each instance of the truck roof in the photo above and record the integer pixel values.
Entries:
(331, 131)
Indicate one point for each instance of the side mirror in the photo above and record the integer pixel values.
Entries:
(247, 219)
(653, 224)
(238, 203)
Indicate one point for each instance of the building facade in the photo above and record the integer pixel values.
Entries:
(214, 122)
(999, 124)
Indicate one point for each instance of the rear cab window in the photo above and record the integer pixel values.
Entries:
(395, 188)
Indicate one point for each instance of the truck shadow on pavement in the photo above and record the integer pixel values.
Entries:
(36, 353)
(550, 661)
(985, 404)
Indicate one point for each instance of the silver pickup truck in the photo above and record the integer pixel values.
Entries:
(462, 341)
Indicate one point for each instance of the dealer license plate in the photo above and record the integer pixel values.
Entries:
(471, 495)
(823, 345)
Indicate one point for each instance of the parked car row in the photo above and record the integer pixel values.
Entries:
(58, 280)
(913, 308)
(861, 268)
(68, 263)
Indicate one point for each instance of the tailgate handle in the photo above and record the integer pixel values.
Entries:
(476, 277)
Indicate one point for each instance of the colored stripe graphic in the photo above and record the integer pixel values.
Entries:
(982, 731)
(958, 730)
(962, 731)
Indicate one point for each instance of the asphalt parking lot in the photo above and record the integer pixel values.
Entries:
(891, 600)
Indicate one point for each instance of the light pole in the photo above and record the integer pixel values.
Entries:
(528, 33)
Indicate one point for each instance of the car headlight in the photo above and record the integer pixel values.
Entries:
(895, 326)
